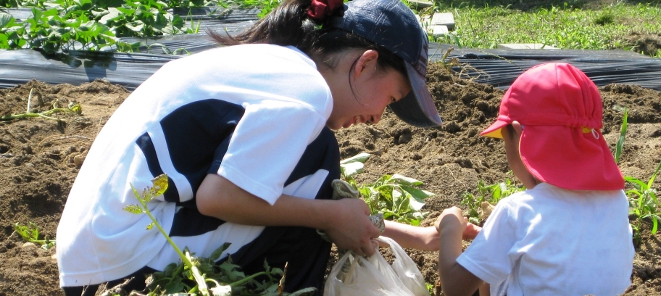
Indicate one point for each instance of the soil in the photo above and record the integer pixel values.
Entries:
(39, 160)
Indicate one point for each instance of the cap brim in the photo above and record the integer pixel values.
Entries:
(418, 107)
(495, 129)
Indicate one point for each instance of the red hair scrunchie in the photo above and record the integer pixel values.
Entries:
(319, 9)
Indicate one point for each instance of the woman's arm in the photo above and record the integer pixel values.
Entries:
(345, 221)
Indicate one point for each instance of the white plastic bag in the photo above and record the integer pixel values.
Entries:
(373, 276)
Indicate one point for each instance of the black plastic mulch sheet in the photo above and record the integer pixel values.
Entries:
(497, 67)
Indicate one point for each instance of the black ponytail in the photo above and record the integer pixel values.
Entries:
(289, 25)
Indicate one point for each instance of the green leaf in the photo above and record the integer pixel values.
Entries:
(84, 4)
(361, 157)
(635, 182)
(134, 209)
(174, 286)
(400, 202)
(406, 180)
(216, 254)
(230, 271)
(654, 225)
(111, 15)
(353, 168)
(382, 180)
(623, 133)
(418, 194)
(6, 20)
(385, 194)
(160, 185)
(28, 232)
(656, 172)
(136, 26)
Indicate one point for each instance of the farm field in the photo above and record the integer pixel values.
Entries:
(39, 161)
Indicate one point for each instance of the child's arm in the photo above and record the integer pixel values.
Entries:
(485, 289)
(421, 238)
(455, 279)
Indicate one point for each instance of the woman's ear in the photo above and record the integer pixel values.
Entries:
(366, 63)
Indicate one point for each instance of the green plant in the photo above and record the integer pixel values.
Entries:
(193, 273)
(486, 24)
(605, 18)
(351, 166)
(62, 25)
(623, 133)
(643, 202)
(487, 196)
(30, 233)
(65, 25)
(72, 108)
(396, 197)
(11, 32)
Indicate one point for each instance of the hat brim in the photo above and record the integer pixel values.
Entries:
(495, 129)
(569, 158)
(418, 107)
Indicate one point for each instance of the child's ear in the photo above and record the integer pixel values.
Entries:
(518, 128)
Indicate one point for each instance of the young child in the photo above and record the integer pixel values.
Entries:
(244, 134)
(568, 233)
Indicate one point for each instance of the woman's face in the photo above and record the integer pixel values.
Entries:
(366, 97)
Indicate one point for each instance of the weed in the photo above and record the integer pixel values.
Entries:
(396, 197)
(459, 70)
(643, 202)
(623, 133)
(72, 108)
(30, 233)
(480, 205)
(605, 18)
(193, 273)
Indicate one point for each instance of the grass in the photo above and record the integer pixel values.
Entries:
(565, 25)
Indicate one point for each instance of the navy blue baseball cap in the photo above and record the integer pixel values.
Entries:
(392, 25)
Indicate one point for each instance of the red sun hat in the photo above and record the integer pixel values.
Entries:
(560, 110)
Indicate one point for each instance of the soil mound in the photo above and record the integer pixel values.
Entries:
(39, 160)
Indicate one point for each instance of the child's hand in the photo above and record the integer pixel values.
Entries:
(471, 230)
(452, 219)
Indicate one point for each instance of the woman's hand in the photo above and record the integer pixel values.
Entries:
(351, 227)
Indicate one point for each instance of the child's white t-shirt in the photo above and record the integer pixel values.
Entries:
(552, 241)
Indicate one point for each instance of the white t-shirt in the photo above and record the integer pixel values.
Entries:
(245, 112)
(552, 241)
